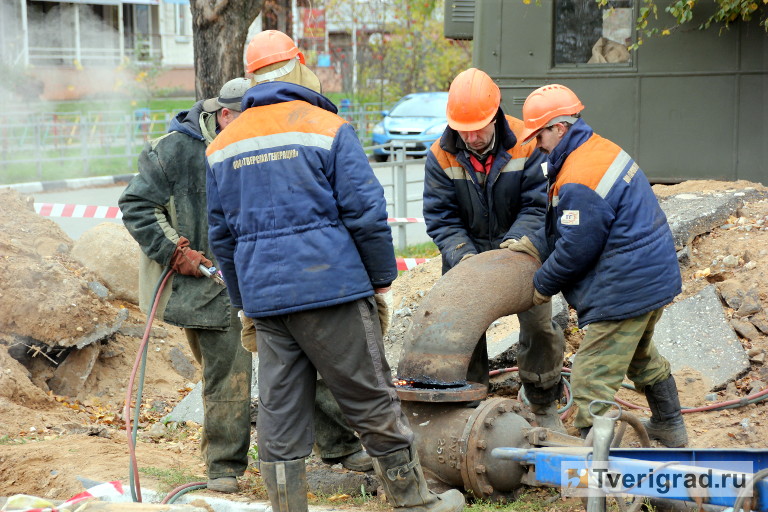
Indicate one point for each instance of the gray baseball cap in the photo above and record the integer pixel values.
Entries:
(230, 96)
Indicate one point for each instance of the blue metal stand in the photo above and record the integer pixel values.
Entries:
(712, 476)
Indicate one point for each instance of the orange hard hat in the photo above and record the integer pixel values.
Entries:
(547, 104)
(268, 47)
(473, 101)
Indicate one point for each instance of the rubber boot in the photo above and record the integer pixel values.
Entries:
(666, 423)
(547, 417)
(286, 483)
(403, 481)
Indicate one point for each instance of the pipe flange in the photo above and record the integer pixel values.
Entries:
(469, 392)
(474, 472)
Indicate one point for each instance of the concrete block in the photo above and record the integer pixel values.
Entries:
(690, 215)
(695, 333)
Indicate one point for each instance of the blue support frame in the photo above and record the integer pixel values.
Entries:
(661, 464)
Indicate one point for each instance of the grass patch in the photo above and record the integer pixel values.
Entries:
(425, 250)
(8, 440)
(169, 479)
(533, 499)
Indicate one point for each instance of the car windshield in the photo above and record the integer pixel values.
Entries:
(421, 106)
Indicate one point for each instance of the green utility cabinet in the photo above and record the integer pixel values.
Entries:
(690, 105)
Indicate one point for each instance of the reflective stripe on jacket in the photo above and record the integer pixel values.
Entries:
(608, 246)
(297, 218)
(463, 217)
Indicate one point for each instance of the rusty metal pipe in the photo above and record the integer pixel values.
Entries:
(459, 309)
(454, 444)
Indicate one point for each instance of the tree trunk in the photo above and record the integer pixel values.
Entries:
(220, 28)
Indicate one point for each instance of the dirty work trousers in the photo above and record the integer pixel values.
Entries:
(609, 351)
(226, 367)
(333, 436)
(539, 355)
(344, 344)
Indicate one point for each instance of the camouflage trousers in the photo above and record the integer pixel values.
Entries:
(226, 394)
(609, 351)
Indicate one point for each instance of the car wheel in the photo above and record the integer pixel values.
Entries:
(381, 158)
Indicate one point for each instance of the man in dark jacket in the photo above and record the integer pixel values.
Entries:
(298, 223)
(164, 209)
(481, 192)
(607, 246)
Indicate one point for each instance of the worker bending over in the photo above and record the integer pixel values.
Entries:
(607, 246)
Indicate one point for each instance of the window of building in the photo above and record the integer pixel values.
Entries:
(586, 33)
(181, 15)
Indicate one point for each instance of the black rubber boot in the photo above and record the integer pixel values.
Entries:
(666, 423)
(403, 480)
(543, 404)
(548, 417)
(286, 483)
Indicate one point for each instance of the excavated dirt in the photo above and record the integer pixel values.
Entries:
(52, 307)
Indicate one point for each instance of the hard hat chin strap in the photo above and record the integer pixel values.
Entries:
(276, 73)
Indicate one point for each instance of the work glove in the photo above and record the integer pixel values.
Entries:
(539, 298)
(523, 245)
(466, 257)
(247, 332)
(186, 261)
(384, 304)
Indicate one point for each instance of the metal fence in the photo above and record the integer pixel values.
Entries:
(67, 145)
(58, 145)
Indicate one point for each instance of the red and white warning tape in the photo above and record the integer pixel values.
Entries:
(404, 220)
(409, 263)
(26, 503)
(78, 211)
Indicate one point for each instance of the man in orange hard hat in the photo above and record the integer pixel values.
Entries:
(482, 191)
(607, 246)
(298, 223)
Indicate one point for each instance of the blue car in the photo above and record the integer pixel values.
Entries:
(416, 121)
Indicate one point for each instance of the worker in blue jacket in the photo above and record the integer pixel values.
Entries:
(607, 246)
(298, 225)
(482, 191)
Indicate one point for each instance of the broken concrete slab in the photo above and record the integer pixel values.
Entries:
(182, 363)
(745, 329)
(191, 406)
(324, 479)
(695, 333)
(690, 215)
(100, 332)
(70, 376)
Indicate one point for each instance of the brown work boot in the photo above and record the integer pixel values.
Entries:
(357, 461)
(403, 480)
(226, 484)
